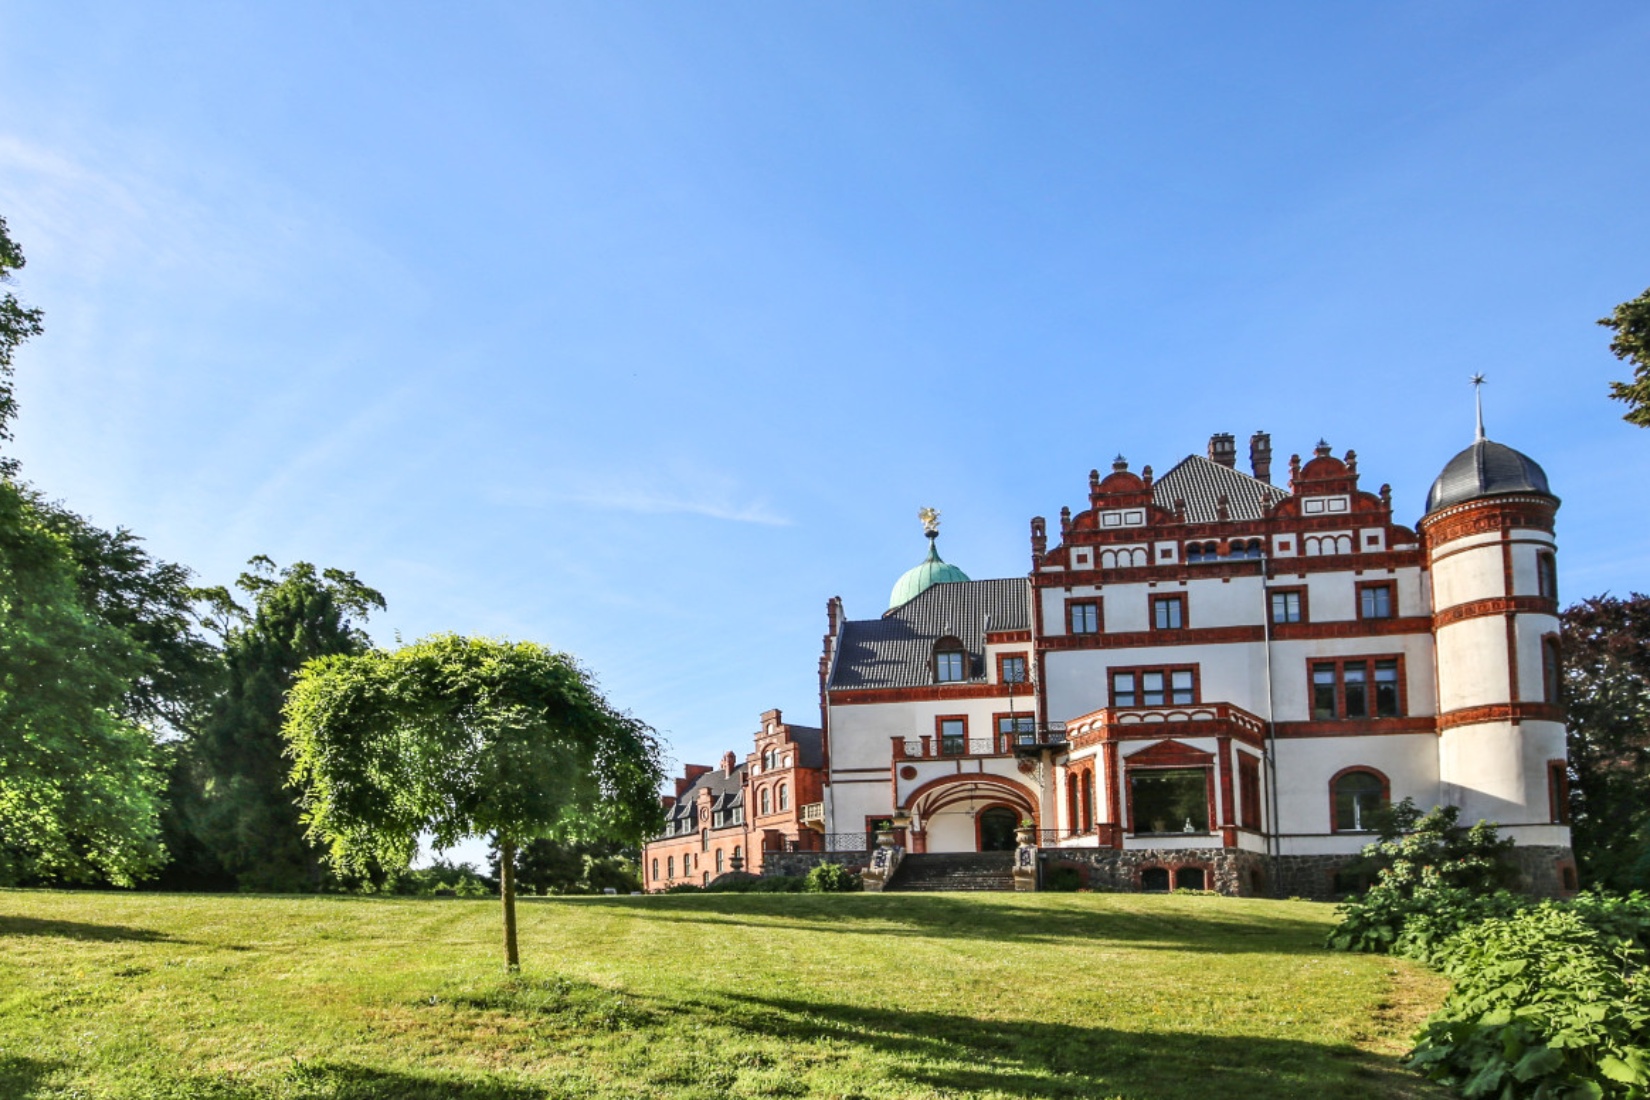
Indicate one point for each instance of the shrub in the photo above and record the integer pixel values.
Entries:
(1543, 1005)
(831, 878)
(442, 878)
(685, 888)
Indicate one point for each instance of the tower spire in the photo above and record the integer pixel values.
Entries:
(1478, 402)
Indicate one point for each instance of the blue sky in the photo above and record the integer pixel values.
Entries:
(643, 329)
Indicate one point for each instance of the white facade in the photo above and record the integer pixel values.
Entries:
(1213, 662)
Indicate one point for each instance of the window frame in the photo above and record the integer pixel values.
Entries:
(942, 661)
(1297, 591)
(1546, 575)
(1371, 663)
(1250, 814)
(1552, 669)
(783, 798)
(1091, 603)
(1130, 774)
(1025, 723)
(1137, 675)
(1558, 792)
(1172, 599)
(1335, 825)
(765, 800)
(941, 737)
(1370, 588)
(1025, 667)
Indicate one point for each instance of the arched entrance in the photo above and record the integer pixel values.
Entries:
(997, 826)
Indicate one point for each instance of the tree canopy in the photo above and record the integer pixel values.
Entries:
(17, 323)
(1631, 344)
(239, 822)
(457, 737)
(1606, 646)
(79, 786)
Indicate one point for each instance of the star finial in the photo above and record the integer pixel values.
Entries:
(1478, 402)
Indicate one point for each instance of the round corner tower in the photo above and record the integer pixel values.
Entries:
(1492, 559)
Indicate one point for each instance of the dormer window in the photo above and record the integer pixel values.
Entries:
(950, 662)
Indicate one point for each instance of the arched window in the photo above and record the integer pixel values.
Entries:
(1549, 669)
(738, 855)
(1357, 793)
(784, 797)
(670, 866)
(767, 801)
(1188, 878)
(655, 868)
(1250, 549)
(706, 880)
(718, 861)
(1155, 880)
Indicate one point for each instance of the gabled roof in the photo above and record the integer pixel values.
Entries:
(726, 791)
(810, 745)
(1201, 484)
(894, 651)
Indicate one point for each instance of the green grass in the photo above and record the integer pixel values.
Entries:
(1046, 995)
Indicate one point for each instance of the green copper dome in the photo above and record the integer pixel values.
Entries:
(919, 578)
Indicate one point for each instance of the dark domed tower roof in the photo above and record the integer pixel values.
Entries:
(1486, 469)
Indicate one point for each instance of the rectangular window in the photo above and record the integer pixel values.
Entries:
(1345, 689)
(1170, 800)
(948, 666)
(1546, 574)
(953, 736)
(1286, 606)
(1016, 729)
(1084, 616)
(1011, 670)
(1375, 600)
(1558, 792)
(1168, 612)
(1153, 687)
(1249, 791)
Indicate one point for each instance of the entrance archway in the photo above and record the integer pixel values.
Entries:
(997, 826)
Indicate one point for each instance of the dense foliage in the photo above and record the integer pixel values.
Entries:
(17, 323)
(238, 816)
(79, 785)
(1631, 343)
(830, 878)
(545, 866)
(1606, 645)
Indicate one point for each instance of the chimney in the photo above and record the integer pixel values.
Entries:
(1223, 449)
(690, 775)
(728, 763)
(1260, 456)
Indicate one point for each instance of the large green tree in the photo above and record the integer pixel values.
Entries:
(17, 323)
(1606, 646)
(454, 737)
(238, 812)
(1631, 344)
(79, 785)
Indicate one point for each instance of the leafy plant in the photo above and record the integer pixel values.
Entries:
(1544, 1005)
(831, 878)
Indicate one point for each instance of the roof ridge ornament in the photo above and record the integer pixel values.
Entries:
(930, 518)
(1478, 402)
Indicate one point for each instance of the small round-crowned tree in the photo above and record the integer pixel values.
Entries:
(456, 737)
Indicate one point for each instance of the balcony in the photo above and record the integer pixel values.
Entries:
(1003, 744)
(812, 815)
(1175, 720)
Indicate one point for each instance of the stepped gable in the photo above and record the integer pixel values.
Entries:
(1202, 483)
(896, 650)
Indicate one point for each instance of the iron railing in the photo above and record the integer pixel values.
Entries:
(1003, 744)
(847, 842)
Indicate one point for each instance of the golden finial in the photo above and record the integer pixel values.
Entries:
(930, 521)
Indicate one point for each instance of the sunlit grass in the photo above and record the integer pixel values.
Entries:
(248, 998)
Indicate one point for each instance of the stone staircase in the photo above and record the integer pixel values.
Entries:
(955, 871)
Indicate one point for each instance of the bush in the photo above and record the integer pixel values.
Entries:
(1434, 877)
(1544, 1004)
(831, 878)
(444, 879)
(684, 888)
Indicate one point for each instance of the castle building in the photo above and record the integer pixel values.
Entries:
(1209, 678)
(1206, 680)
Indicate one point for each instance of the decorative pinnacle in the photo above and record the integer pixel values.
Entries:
(1478, 402)
(930, 521)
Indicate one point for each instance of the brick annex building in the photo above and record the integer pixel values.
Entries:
(1205, 680)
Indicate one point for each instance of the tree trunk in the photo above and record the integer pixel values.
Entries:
(507, 891)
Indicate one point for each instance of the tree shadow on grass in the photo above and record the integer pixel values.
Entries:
(21, 1077)
(1034, 1060)
(349, 1081)
(81, 930)
(1202, 924)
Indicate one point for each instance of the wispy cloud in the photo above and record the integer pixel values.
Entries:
(710, 495)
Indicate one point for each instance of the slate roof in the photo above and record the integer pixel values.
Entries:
(1486, 469)
(894, 651)
(1201, 484)
(810, 745)
(727, 791)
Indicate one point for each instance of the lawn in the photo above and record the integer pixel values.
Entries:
(1043, 995)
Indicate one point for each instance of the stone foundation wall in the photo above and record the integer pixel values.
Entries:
(1230, 871)
(1543, 869)
(800, 863)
